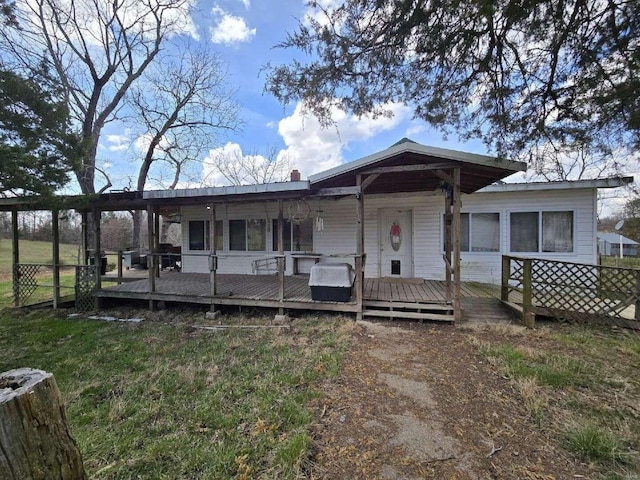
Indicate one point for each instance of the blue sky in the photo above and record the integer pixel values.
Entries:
(244, 33)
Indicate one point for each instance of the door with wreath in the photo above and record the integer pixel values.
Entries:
(395, 229)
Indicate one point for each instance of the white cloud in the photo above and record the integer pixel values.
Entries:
(316, 12)
(246, 3)
(118, 143)
(244, 169)
(230, 29)
(142, 143)
(137, 17)
(313, 149)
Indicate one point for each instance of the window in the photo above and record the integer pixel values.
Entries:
(479, 232)
(247, 235)
(485, 228)
(553, 231)
(297, 238)
(199, 235)
(557, 231)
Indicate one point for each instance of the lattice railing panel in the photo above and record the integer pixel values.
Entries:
(25, 280)
(85, 286)
(575, 291)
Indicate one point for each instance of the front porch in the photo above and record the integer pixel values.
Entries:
(388, 298)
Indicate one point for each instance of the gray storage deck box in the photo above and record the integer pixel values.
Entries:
(331, 282)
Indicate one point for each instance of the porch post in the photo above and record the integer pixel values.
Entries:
(528, 316)
(447, 243)
(457, 311)
(56, 257)
(83, 239)
(359, 248)
(157, 259)
(16, 256)
(150, 262)
(281, 254)
(213, 258)
(97, 261)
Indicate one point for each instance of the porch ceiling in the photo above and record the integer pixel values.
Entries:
(476, 172)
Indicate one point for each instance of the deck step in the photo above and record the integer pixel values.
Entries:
(439, 311)
(408, 315)
(408, 305)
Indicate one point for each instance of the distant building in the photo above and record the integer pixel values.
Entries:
(609, 244)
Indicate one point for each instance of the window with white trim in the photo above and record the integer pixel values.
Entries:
(546, 231)
(248, 235)
(479, 232)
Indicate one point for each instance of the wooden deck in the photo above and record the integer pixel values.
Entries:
(391, 298)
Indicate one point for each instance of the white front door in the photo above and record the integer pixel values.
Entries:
(395, 229)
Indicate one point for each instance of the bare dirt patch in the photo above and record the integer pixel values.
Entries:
(418, 401)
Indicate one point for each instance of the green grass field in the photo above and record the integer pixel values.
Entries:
(36, 252)
(164, 400)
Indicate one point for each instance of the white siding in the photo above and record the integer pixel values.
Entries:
(233, 261)
(339, 234)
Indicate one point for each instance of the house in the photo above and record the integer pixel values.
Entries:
(412, 221)
(609, 244)
(555, 220)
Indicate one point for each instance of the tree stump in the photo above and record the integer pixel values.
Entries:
(35, 442)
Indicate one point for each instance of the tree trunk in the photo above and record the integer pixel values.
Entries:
(35, 442)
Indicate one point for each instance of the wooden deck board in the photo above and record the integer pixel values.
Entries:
(266, 287)
(195, 287)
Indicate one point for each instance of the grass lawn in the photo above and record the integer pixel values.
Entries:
(34, 252)
(581, 384)
(161, 399)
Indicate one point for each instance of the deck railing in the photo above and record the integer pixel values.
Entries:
(571, 291)
(42, 283)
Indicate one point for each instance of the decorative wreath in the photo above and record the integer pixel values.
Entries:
(298, 211)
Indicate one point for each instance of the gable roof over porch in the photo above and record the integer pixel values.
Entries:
(408, 166)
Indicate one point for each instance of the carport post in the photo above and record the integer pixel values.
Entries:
(97, 261)
(15, 257)
(150, 261)
(212, 314)
(56, 258)
(280, 259)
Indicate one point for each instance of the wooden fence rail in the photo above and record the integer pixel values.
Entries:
(571, 291)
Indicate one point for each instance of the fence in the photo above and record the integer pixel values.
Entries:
(571, 291)
(42, 284)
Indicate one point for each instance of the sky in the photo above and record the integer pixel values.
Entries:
(244, 33)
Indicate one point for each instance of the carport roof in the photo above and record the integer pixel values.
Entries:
(407, 166)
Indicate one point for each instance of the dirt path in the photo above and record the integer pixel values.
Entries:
(417, 401)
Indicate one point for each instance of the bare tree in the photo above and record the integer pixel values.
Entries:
(182, 108)
(240, 169)
(574, 162)
(98, 49)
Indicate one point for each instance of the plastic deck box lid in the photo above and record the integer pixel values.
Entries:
(331, 275)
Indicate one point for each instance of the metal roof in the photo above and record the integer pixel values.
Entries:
(615, 238)
(228, 191)
(612, 182)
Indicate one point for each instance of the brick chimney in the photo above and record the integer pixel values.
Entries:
(295, 176)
